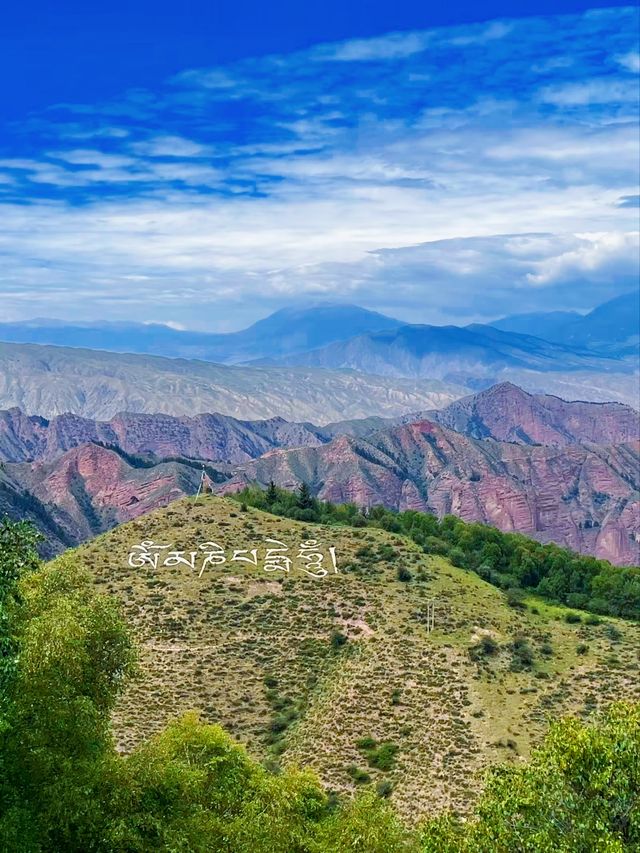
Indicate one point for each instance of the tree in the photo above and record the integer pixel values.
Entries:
(74, 655)
(305, 499)
(578, 794)
(366, 825)
(271, 495)
(18, 557)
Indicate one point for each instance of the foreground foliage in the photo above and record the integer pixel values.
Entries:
(66, 656)
(507, 560)
(580, 793)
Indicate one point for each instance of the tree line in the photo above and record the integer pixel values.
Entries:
(510, 561)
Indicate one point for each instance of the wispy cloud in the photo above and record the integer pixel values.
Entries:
(282, 176)
(630, 60)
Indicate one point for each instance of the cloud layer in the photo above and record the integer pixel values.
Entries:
(444, 175)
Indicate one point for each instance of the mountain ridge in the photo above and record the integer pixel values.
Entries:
(48, 380)
(51, 467)
(478, 357)
(286, 331)
(584, 497)
(612, 326)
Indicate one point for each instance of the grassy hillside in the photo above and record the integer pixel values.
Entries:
(341, 673)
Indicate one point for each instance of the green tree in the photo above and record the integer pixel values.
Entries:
(366, 825)
(305, 498)
(271, 495)
(18, 557)
(74, 655)
(578, 794)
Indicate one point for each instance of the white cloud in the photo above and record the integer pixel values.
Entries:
(431, 143)
(494, 30)
(92, 157)
(630, 60)
(171, 146)
(390, 46)
(603, 256)
(596, 91)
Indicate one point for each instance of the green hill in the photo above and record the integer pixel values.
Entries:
(341, 673)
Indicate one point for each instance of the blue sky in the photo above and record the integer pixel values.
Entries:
(208, 168)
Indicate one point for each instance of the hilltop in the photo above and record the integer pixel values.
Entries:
(341, 673)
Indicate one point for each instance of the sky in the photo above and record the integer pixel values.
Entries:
(441, 165)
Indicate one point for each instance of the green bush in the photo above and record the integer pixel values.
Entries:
(403, 574)
(338, 639)
(381, 756)
(359, 776)
(522, 654)
(384, 788)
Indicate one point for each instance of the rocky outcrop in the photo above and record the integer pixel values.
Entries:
(211, 437)
(583, 497)
(88, 490)
(507, 413)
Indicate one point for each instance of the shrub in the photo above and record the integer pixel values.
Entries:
(338, 639)
(612, 632)
(515, 598)
(381, 756)
(572, 618)
(384, 757)
(486, 646)
(403, 574)
(384, 788)
(359, 776)
(522, 654)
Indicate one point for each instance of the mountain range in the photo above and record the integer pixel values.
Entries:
(477, 357)
(271, 368)
(49, 380)
(611, 327)
(585, 497)
(608, 327)
(285, 332)
(558, 471)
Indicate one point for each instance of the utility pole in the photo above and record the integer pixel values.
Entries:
(201, 484)
(431, 615)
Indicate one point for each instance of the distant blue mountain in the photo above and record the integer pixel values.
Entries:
(613, 327)
(548, 325)
(589, 357)
(478, 356)
(286, 332)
